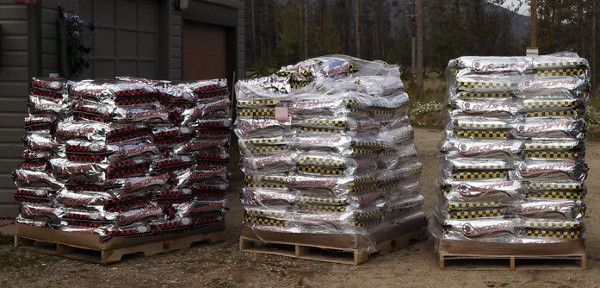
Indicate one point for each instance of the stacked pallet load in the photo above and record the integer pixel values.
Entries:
(126, 158)
(36, 186)
(513, 169)
(328, 154)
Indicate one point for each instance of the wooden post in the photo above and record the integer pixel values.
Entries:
(322, 34)
(594, 59)
(533, 23)
(413, 41)
(254, 56)
(304, 30)
(356, 24)
(419, 49)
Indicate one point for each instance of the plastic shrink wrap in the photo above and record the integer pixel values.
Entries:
(124, 157)
(512, 158)
(327, 150)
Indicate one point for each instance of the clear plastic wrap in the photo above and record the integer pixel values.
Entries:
(125, 157)
(327, 150)
(513, 167)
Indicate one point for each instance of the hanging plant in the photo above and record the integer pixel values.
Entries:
(72, 27)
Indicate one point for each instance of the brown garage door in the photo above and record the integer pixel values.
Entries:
(204, 51)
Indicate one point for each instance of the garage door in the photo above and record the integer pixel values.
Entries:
(125, 41)
(204, 51)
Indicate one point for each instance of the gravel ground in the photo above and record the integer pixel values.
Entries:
(223, 265)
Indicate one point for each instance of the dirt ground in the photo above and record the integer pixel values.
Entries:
(223, 265)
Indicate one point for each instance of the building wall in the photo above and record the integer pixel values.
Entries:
(14, 74)
(124, 41)
(156, 26)
(175, 40)
(132, 37)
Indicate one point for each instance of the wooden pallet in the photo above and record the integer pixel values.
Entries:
(113, 252)
(508, 262)
(328, 253)
(462, 255)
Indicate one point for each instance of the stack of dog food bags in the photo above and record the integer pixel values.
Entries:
(137, 157)
(196, 147)
(327, 148)
(36, 185)
(513, 165)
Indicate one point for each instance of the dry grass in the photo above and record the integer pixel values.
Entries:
(434, 90)
(423, 109)
(6, 239)
(592, 116)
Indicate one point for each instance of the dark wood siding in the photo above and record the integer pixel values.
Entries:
(125, 41)
(175, 38)
(241, 40)
(14, 73)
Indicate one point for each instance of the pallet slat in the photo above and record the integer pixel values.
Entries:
(164, 244)
(328, 253)
(457, 255)
(558, 262)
